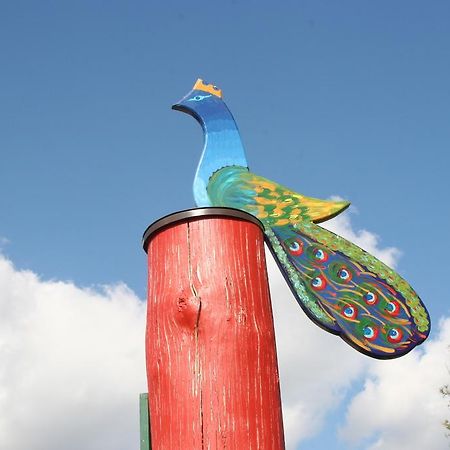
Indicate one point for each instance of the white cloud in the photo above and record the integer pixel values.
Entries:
(400, 405)
(71, 364)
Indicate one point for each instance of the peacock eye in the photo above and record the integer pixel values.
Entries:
(344, 274)
(320, 255)
(318, 283)
(296, 247)
(371, 298)
(394, 335)
(350, 311)
(393, 308)
(370, 332)
(198, 98)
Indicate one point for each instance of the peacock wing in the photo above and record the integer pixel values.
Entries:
(236, 187)
(348, 291)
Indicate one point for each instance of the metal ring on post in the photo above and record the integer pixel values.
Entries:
(196, 212)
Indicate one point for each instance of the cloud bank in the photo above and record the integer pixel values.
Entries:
(400, 405)
(72, 365)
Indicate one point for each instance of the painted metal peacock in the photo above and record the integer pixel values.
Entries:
(342, 288)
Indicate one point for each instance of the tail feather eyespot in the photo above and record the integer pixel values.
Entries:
(319, 283)
(349, 311)
(370, 332)
(371, 298)
(317, 254)
(345, 274)
(295, 247)
(394, 335)
(393, 308)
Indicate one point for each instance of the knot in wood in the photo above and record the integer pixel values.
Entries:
(187, 311)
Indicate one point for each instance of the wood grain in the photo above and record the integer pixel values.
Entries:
(210, 344)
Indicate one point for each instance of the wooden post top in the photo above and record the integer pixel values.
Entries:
(187, 214)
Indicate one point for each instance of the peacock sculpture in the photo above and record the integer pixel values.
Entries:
(342, 288)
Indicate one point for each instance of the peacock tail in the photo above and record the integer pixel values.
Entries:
(342, 288)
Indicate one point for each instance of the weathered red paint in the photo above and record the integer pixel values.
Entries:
(210, 344)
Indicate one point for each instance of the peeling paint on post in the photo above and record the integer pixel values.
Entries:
(210, 343)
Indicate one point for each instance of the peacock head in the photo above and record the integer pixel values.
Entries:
(202, 101)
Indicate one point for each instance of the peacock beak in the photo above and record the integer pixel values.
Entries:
(179, 107)
(184, 106)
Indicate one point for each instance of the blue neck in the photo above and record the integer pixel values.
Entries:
(222, 148)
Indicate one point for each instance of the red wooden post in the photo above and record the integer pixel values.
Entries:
(210, 343)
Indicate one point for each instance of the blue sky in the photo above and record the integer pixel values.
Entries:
(343, 98)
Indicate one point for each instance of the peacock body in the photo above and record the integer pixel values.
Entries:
(342, 288)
